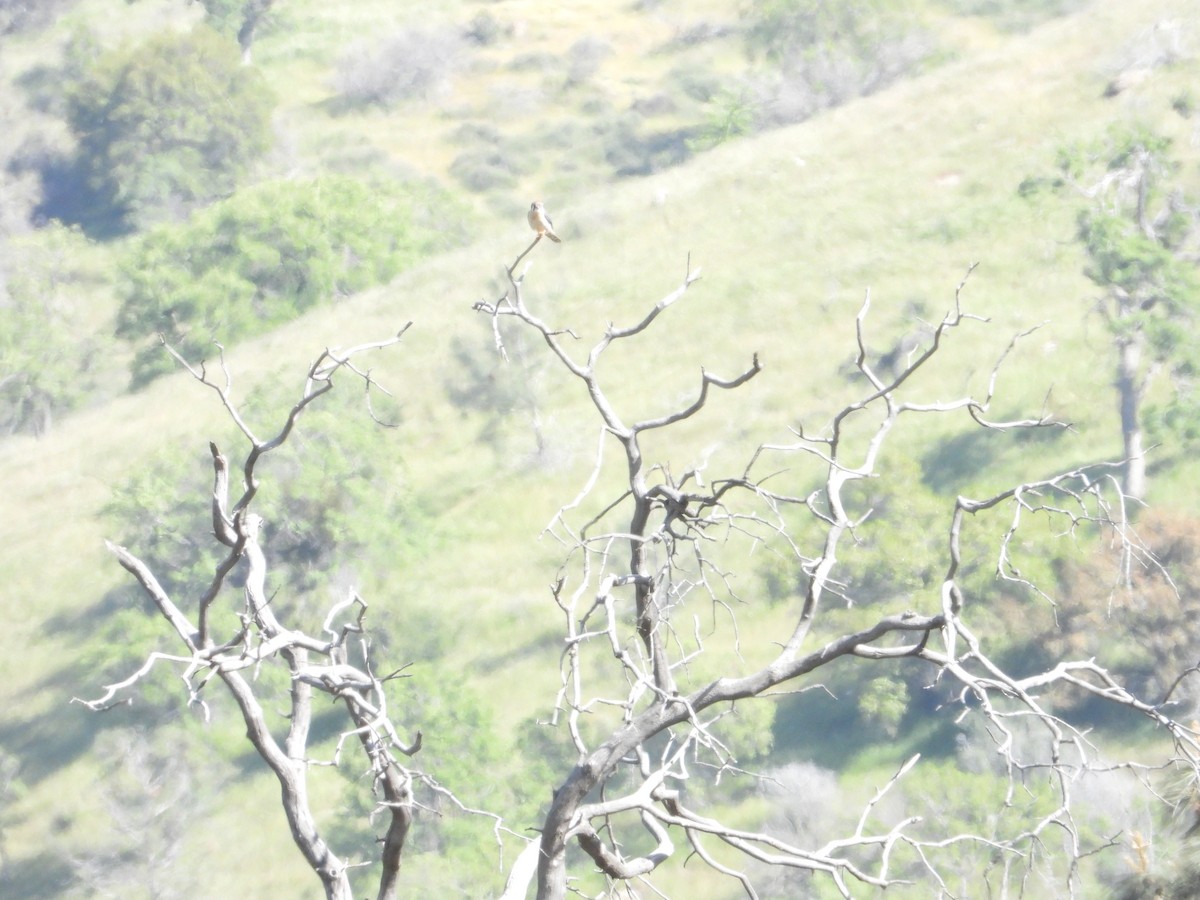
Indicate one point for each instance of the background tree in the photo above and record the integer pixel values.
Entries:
(1140, 233)
(165, 126)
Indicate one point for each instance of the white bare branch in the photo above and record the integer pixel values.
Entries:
(321, 663)
(643, 553)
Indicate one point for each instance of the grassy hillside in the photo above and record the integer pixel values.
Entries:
(897, 193)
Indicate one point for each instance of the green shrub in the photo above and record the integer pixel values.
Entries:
(784, 29)
(489, 160)
(828, 52)
(585, 57)
(730, 114)
(631, 151)
(485, 169)
(265, 256)
(485, 30)
(414, 64)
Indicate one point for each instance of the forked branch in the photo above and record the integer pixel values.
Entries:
(261, 638)
(642, 556)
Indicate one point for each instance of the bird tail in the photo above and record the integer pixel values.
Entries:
(554, 237)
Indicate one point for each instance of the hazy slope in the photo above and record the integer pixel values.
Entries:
(897, 193)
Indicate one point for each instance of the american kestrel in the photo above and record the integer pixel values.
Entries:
(539, 221)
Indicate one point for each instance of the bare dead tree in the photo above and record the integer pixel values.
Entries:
(639, 566)
(227, 642)
(638, 697)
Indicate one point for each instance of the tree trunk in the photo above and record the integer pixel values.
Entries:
(254, 12)
(1129, 390)
(293, 792)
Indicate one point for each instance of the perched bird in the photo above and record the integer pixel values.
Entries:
(539, 221)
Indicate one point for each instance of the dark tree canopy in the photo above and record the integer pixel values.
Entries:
(167, 125)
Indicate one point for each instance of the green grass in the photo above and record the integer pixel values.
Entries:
(897, 194)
